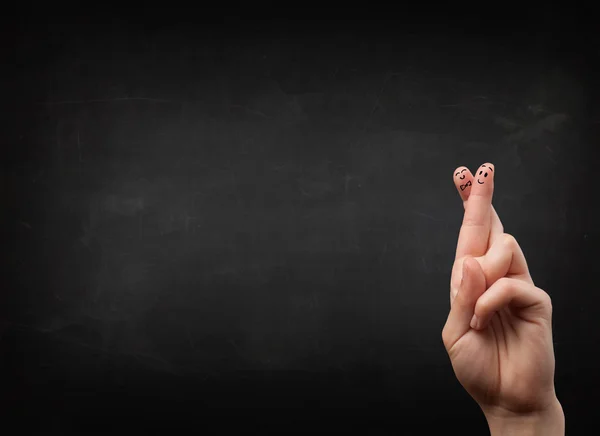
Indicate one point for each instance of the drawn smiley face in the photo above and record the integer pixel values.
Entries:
(483, 173)
(460, 174)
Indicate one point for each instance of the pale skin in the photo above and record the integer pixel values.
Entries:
(498, 334)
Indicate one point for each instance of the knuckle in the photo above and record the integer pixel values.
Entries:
(471, 221)
(509, 240)
(546, 300)
(505, 284)
(446, 338)
(506, 287)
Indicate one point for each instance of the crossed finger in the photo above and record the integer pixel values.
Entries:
(463, 180)
(500, 264)
(476, 193)
(482, 234)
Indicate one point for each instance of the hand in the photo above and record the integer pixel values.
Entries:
(498, 334)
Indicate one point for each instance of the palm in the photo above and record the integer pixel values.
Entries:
(485, 364)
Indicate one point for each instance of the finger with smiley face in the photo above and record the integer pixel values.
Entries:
(482, 174)
(463, 180)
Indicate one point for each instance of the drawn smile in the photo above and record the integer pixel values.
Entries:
(462, 177)
(481, 183)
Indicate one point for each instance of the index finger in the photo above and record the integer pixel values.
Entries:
(475, 230)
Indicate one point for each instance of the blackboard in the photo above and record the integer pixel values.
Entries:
(201, 223)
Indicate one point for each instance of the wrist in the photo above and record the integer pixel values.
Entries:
(547, 422)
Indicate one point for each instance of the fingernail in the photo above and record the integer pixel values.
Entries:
(474, 322)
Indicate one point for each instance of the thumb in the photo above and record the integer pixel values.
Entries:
(472, 286)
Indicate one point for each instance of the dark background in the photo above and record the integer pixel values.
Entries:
(211, 217)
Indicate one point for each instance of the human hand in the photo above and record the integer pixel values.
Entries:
(498, 334)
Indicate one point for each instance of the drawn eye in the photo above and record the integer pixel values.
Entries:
(485, 175)
(480, 172)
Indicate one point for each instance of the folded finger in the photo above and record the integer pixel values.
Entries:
(531, 303)
(503, 259)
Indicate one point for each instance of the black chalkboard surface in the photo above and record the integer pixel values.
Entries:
(259, 224)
